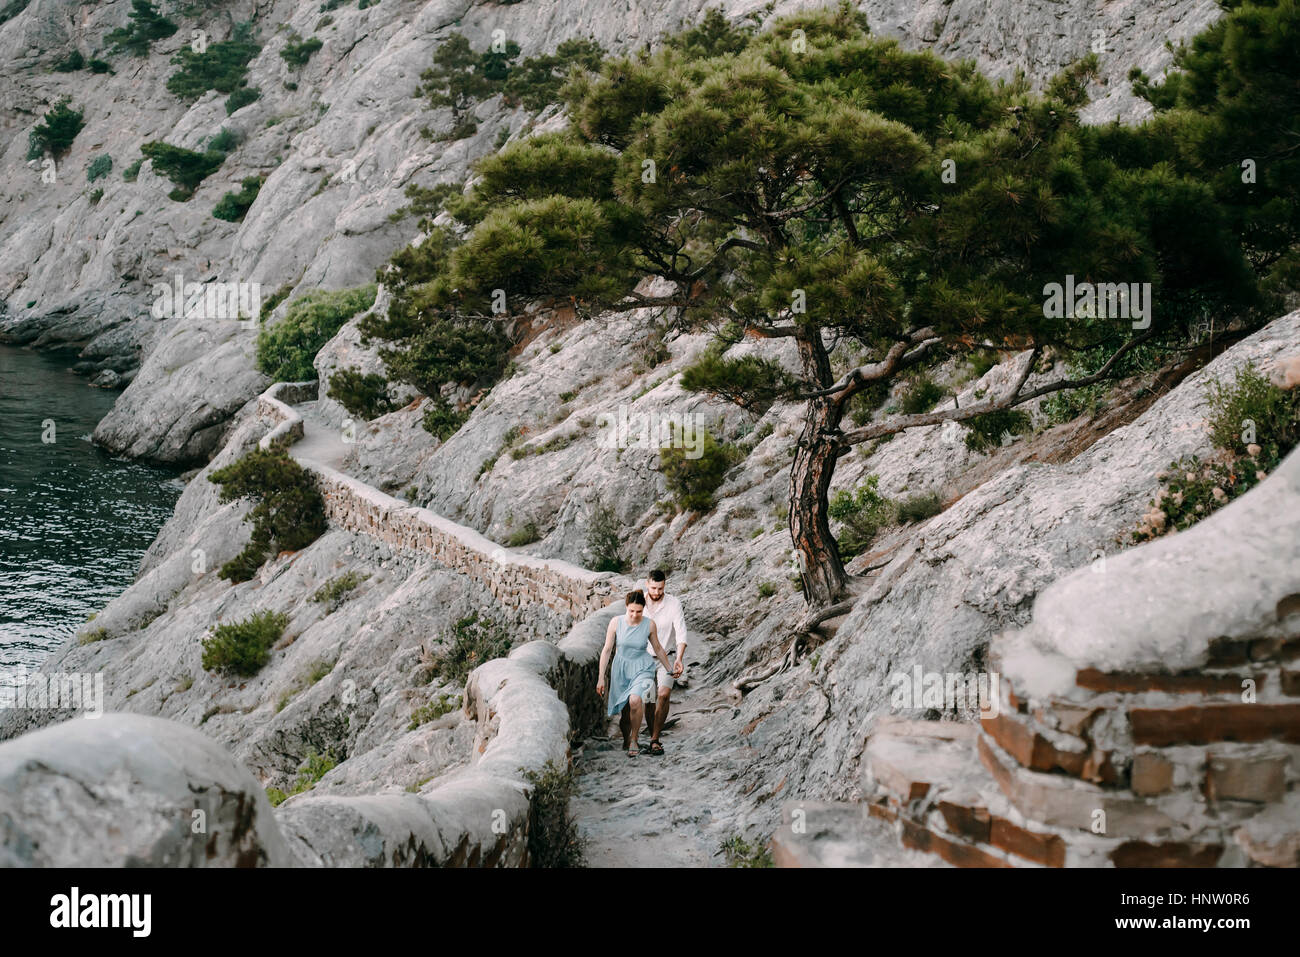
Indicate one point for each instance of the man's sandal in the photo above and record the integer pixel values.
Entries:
(656, 749)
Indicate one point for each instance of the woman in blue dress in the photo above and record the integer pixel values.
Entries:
(632, 678)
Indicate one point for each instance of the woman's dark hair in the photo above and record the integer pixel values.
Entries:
(635, 598)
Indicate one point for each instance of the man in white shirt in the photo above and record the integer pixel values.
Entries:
(666, 611)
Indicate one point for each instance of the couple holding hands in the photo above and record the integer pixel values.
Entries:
(642, 641)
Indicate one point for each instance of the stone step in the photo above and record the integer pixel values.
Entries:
(841, 834)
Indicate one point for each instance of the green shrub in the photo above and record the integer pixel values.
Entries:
(56, 132)
(1061, 407)
(241, 97)
(95, 195)
(99, 66)
(289, 513)
(297, 54)
(444, 351)
(99, 167)
(315, 767)
(243, 647)
(286, 350)
(441, 420)
(185, 168)
(921, 394)
(234, 206)
(224, 141)
(1250, 410)
(222, 67)
(535, 83)
(337, 590)
(917, 508)
(145, 25)
(1192, 490)
(364, 396)
(524, 536)
(273, 300)
(473, 641)
(766, 589)
(692, 481)
(554, 839)
(604, 551)
(862, 514)
(985, 432)
(73, 62)
(443, 704)
(133, 171)
(741, 853)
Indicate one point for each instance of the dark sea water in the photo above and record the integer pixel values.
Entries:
(74, 521)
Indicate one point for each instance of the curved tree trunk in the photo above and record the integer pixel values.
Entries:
(810, 479)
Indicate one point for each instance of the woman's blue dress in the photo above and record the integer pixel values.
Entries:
(633, 670)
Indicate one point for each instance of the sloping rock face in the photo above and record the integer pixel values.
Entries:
(125, 790)
(338, 141)
(966, 575)
(1148, 716)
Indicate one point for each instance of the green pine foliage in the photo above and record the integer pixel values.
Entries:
(241, 97)
(222, 67)
(185, 168)
(242, 648)
(74, 61)
(441, 420)
(693, 474)
(99, 167)
(986, 432)
(144, 26)
(296, 52)
(862, 514)
(288, 512)
(604, 546)
(233, 206)
(363, 395)
(286, 350)
(56, 131)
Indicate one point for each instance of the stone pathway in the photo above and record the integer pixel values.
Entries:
(670, 811)
(319, 443)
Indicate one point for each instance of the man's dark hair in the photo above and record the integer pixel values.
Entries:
(657, 575)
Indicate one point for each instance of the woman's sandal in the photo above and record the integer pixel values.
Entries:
(656, 749)
(633, 752)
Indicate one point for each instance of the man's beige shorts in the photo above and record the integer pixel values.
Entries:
(664, 679)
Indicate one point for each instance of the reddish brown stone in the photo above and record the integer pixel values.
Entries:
(919, 838)
(1260, 778)
(1032, 750)
(1141, 854)
(1228, 651)
(1151, 774)
(1290, 682)
(1162, 727)
(972, 823)
(1046, 849)
(882, 811)
(1136, 682)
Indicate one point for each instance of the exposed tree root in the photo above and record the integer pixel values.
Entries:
(798, 638)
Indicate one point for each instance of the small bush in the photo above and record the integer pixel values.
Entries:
(99, 167)
(473, 641)
(132, 172)
(441, 420)
(917, 508)
(315, 767)
(766, 589)
(287, 350)
(604, 551)
(95, 195)
(185, 168)
(692, 481)
(337, 590)
(862, 514)
(920, 395)
(364, 396)
(234, 206)
(225, 141)
(56, 132)
(273, 300)
(222, 67)
(241, 97)
(297, 54)
(741, 853)
(524, 536)
(289, 513)
(145, 25)
(73, 62)
(242, 648)
(554, 839)
(1061, 407)
(985, 432)
(1250, 410)
(99, 66)
(442, 705)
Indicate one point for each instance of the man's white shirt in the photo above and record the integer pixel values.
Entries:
(669, 619)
